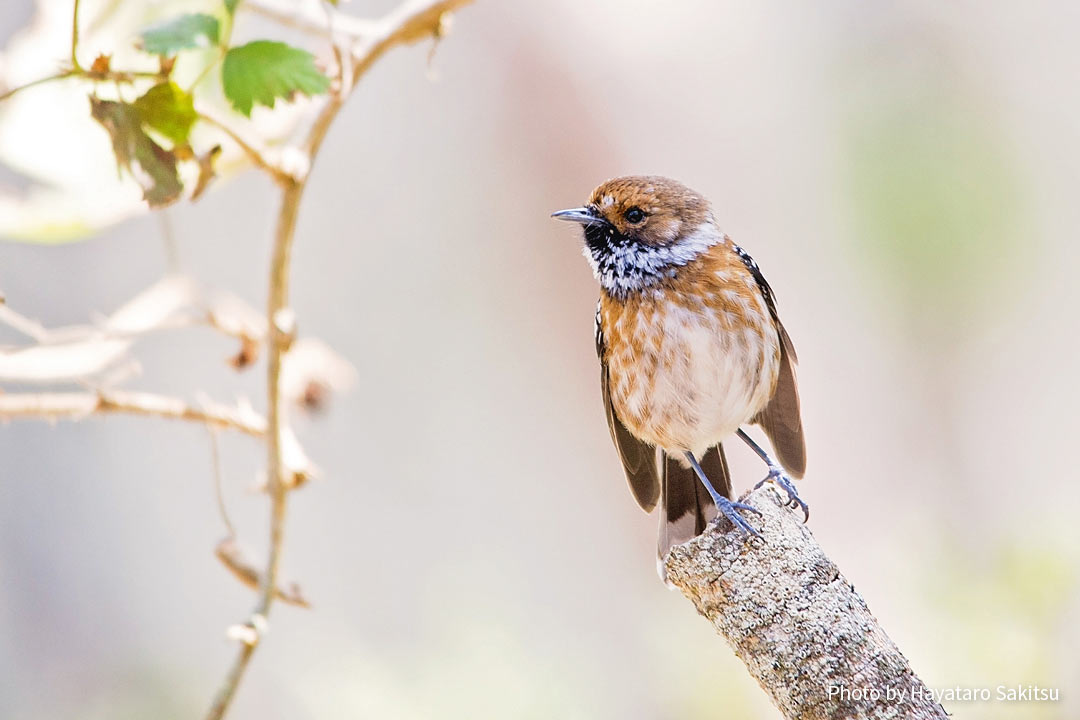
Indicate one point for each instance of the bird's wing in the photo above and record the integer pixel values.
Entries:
(638, 458)
(781, 419)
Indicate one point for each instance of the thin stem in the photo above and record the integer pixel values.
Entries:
(229, 553)
(34, 330)
(122, 76)
(279, 339)
(222, 50)
(219, 495)
(75, 38)
(39, 81)
(278, 345)
(28, 327)
(232, 681)
(168, 239)
(112, 76)
(253, 154)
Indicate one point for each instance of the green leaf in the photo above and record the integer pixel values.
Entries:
(230, 6)
(152, 166)
(182, 33)
(167, 109)
(263, 71)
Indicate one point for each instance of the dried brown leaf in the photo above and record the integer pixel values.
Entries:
(206, 171)
(312, 372)
(232, 557)
(152, 166)
(246, 355)
(101, 64)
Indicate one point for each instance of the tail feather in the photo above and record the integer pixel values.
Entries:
(687, 506)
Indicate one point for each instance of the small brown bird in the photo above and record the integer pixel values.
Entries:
(691, 349)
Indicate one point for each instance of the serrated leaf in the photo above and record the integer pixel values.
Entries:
(152, 166)
(181, 33)
(264, 70)
(167, 109)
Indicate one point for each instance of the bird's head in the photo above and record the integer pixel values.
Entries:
(640, 229)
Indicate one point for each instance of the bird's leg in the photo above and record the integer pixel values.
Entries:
(777, 475)
(724, 506)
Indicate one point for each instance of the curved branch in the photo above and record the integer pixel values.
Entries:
(804, 633)
(76, 406)
(410, 22)
(256, 157)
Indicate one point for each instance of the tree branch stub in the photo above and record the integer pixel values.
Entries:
(797, 623)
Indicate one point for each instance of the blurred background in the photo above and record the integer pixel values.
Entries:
(904, 173)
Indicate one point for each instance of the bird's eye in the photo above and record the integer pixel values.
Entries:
(634, 215)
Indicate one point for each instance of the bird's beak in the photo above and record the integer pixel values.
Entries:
(584, 215)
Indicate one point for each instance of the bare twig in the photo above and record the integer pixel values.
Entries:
(410, 22)
(27, 326)
(125, 77)
(77, 70)
(182, 307)
(230, 555)
(257, 157)
(75, 37)
(278, 301)
(168, 240)
(77, 406)
(219, 494)
(290, 14)
(211, 318)
(804, 633)
(40, 81)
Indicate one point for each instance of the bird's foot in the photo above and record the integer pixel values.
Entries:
(730, 510)
(778, 477)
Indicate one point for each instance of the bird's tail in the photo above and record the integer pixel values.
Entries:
(686, 505)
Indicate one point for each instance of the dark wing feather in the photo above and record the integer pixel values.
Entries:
(638, 458)
(781, 419)
(688, 508)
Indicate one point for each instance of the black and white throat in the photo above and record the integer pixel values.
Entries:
(624, 265)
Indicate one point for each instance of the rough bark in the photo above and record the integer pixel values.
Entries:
(804, 633)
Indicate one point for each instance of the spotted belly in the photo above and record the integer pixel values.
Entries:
(686, 374)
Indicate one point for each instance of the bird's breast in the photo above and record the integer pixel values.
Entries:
(691, 362)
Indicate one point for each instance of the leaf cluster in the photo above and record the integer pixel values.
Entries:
(168, 112)
(150, 135)
(256, 73)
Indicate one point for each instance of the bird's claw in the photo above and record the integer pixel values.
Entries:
(730, 510)
(778, 477)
